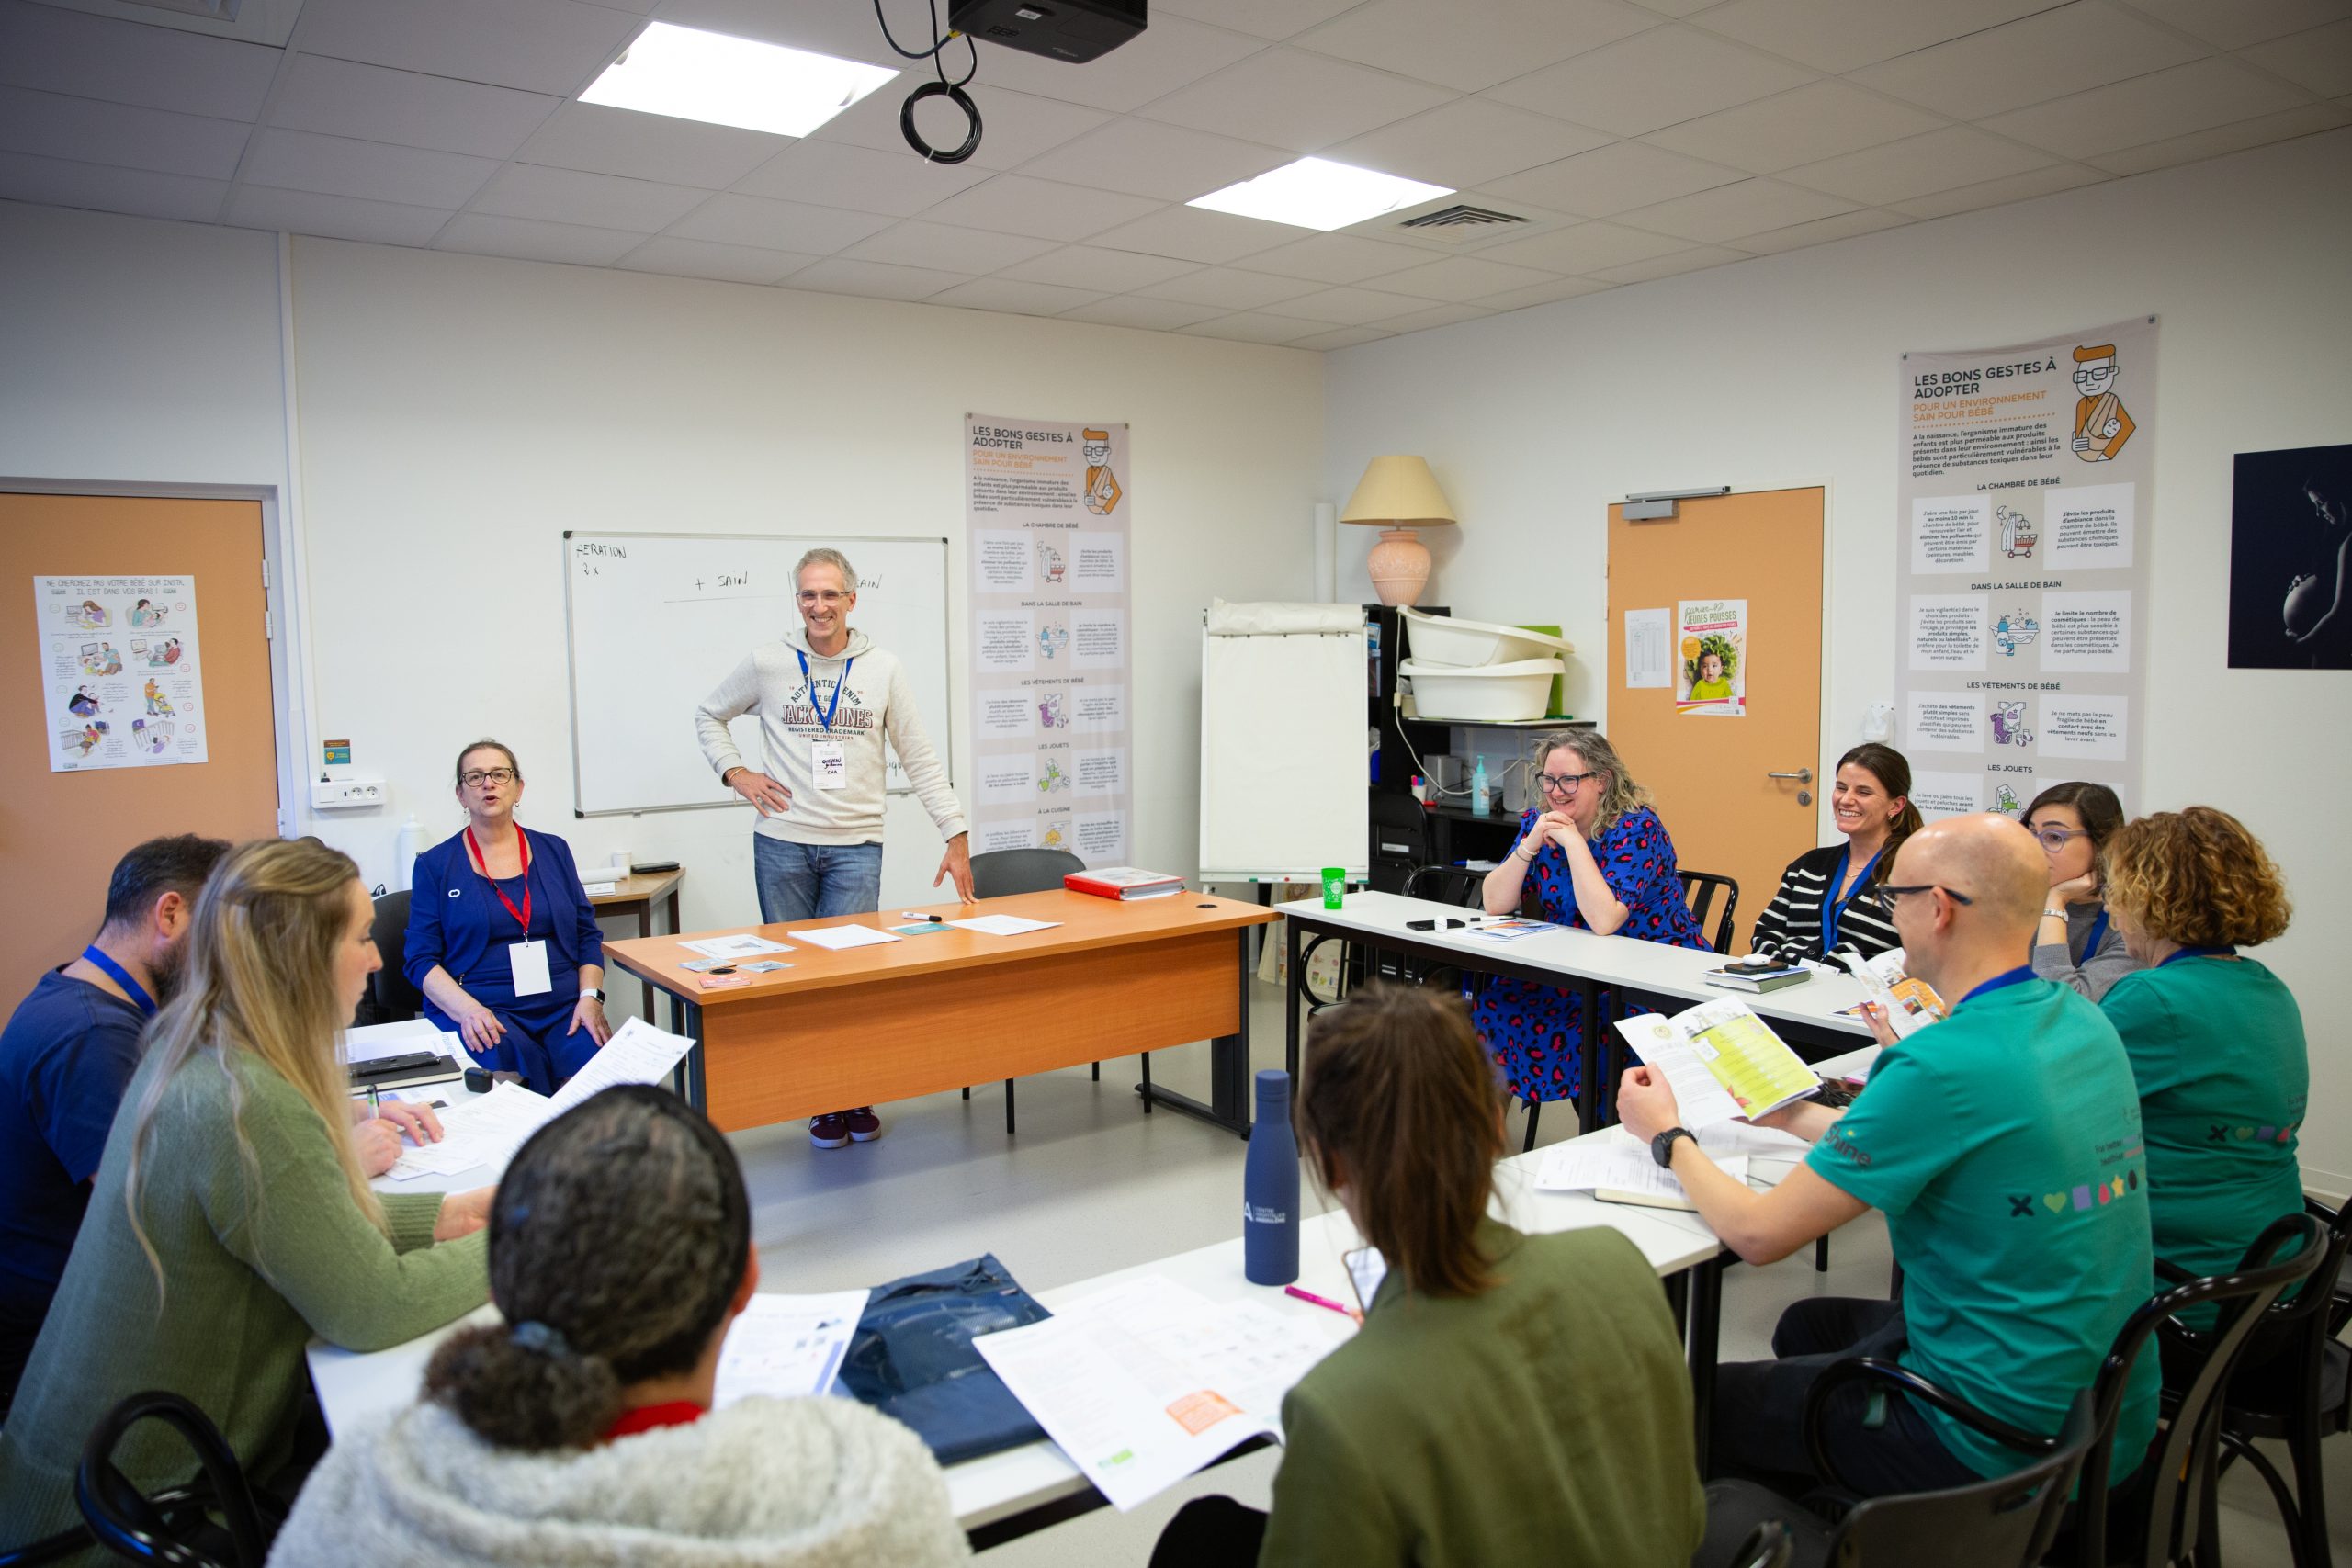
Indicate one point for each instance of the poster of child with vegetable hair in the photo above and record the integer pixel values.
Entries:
(1710, 670)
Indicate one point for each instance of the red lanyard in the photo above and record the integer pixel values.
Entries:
(523, 840)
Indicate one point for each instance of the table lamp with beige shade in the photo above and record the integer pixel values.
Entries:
(1395, 493)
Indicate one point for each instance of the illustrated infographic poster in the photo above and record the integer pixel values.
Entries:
(2024, 497)
(120, 674)
(1712, 657)
(1047, 508)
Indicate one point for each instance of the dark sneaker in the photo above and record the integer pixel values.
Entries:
(829, 1131)
(862, 1124)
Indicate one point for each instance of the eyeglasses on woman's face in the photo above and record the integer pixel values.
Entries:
(1563, 783)
(477, 777)
(2053, 838)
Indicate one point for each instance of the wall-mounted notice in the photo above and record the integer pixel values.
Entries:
(1047, 505)
(2024, 479)
(120, 671)
(1712, 657)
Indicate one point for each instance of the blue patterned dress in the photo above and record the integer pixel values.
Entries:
(1534, 1032)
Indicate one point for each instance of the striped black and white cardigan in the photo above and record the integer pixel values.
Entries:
(1793, 918)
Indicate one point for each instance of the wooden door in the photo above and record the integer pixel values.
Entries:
(61, 832)
(1713, 776)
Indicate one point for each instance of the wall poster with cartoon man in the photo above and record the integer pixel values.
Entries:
(2290, 559)
(1711, 672)
(121, 668)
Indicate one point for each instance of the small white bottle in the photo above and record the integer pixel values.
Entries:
(1481, 803)
(405, 853)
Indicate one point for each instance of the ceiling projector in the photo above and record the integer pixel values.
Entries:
(1076, 30)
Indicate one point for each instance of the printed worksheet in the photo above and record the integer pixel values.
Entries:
(741, 944)
(787, 1346)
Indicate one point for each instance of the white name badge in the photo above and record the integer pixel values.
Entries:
(829, 763)
(531, 968)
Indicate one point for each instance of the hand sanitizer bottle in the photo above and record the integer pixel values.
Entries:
(1481, 803)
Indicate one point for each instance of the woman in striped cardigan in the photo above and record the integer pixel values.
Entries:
(1826, 898)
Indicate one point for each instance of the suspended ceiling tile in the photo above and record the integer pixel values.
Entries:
(1995, 193)
(1020, 299)
(591, 201)
(371, 171)
(143, 193)
(338, 97)
(940, 248)
(1843, 35)
(1099, 269)
(1728, 211)
(1550, 293)
(1470, 142)
(1459, 278)
(332, 216)
(1346, 337)
(1941, 160)
(834, 173)
(1470, 45)
(1800, 127)
(2177, 102)
(1614, 179)
(1657, 78)
(1347, 307)
(734, 219)
(1145, 157)
(601, 139)
(1820, 230)
(2319, 59)
(538, 46)
(1335, 258)
(1135, 311)
(1249, 327)
(1265, 19)
(88, 130)
(2306, 120)
(1014, 127)
(2037, 58)
(1673, 265)
(1194, 233)
(1435, 316)
(1586, 248)
(82, 56)
(1046, 209)
(2234, 24)
(1228, 288)
(873, 280)
(707, 258)
(527, 239)
(1288, 97)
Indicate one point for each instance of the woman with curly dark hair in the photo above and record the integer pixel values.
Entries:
(2215, 1039)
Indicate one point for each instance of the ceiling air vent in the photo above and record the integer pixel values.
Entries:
(1460, 224)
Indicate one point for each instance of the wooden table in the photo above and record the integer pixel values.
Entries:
(641, 891)
(871, 1024)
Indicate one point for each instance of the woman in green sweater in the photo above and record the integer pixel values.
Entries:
(231, 1221)
(1511, 1400)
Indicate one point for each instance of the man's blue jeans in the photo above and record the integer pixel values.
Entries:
(815, 881)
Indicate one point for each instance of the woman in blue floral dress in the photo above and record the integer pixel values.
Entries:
(1597, 858)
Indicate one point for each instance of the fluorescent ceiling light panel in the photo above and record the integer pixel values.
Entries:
(1315, 193)
(688, 74)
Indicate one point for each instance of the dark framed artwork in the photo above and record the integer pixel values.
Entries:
(2290, 559)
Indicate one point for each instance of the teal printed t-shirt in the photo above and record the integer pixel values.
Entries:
(2217, 1048)
(2003, 1145)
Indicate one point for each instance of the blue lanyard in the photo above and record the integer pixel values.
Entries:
(2099, 934)
(121, 977)
(1833, 908)
(2198, 953)
(2017, 977)
(826, 717)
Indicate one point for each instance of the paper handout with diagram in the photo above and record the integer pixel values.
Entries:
(1910, 1002)
(1142, 1384)
(487, 1129)
(1721, 1060)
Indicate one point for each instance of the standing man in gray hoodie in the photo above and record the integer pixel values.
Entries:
(826, 697)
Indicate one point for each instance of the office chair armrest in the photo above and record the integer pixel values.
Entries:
(1870, 1369)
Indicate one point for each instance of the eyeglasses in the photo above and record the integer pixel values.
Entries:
(480, 777)
(1888, 895)
(2054, 839)
(1563, 783)
(826, 597)
(2084, 377)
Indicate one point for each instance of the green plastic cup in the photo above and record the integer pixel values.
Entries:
(1335, 884)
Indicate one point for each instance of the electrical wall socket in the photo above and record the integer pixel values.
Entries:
(342, 795)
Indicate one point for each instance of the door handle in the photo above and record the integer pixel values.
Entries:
(1802, 775)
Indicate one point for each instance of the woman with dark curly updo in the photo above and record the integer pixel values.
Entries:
(580, 1428)
(2215, 1038)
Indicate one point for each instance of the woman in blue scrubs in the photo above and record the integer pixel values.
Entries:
(502, 939)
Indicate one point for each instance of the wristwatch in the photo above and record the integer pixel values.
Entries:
(1662, 1147)
(596, 991)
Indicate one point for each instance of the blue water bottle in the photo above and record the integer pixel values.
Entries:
(1270, 1188)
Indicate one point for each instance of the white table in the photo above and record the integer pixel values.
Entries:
(1581, 961)
(1009, 1493)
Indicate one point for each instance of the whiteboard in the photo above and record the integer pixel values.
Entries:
(1286, 786)
(656, 621)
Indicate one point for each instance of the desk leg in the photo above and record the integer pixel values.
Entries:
(1705, 1335)
(1293, 989)
(645, 929)
(686, 1078)
(1588, 1057)
(1229, 1105)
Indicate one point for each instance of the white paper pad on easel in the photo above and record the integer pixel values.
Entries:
(1002, 925)
(787, 1346)
(837, 938)
(1145, 1384)
(742, 944)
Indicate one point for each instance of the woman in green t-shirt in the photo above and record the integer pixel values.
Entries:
(2215, 1039)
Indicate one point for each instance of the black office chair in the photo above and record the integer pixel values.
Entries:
(162, 1527)
(1448, 885)
(2291, 1386)
(390, 999)
(1699, 887)
(997, 874)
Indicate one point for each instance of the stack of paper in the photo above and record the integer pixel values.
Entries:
(1146, 1383)
(787, 1347)
(1621, 1173)
(486, 1131)
(742, 944)
(838, 938)
(1002, 925)
(374, 1042)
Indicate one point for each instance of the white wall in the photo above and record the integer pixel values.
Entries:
(1784, 370)
(457, 413)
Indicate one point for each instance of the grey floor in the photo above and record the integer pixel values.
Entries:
(1090, 1184)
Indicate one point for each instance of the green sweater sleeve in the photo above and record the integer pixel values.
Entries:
(1329, 1508)
(299, 1230)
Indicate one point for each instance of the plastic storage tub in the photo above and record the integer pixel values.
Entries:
(1447, 639)
(1488, 694)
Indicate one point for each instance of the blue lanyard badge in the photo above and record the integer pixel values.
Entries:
(1833, 908)
(2017, 977)
(2099, 934)
(121, 977)
(2198, 953)
(824, 717)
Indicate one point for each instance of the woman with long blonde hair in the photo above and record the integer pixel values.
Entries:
(230, 1220)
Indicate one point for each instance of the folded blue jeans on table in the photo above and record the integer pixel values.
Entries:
(912, 1359)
